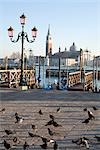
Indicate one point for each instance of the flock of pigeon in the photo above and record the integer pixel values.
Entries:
(83, 141)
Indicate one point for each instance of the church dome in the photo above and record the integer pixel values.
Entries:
(73, 48)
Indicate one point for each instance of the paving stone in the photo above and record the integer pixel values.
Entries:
(70, 117)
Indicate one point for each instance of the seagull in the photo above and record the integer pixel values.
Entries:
(8, 132)
(86, 121)
(40, 112)
(58, 109)
(55, 145)
(94, 108)
(91, 115)
(25, 146)
(97, 137)
(7, 145)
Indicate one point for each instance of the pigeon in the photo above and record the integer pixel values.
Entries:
(15, 139)
(25, 146)
(85, 109)
(82, 141)
(51, 141)
(18, 118)
(58, 109)
(8, 132)
(16, 114)
(91, 115)
(44, 140)
(85, 142)
(85, 138)
(33, 135)
(55, 145)
(2, 110)
(51, 117)
(34, 127)
(49, 123)
(94, 108)
(78, 141)
(55, 124)
(44, 146)
(50, 132)
(86, 121)
(7, 145)
(40, 112)
(97, 137)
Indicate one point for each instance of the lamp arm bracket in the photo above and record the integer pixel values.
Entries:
(14, 41)
(26, 36)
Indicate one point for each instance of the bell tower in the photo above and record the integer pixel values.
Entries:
(48, 43)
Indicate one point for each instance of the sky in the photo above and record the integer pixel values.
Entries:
(70, 21)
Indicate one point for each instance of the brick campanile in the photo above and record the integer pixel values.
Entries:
(48, 43)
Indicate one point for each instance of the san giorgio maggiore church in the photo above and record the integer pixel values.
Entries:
(69, 58)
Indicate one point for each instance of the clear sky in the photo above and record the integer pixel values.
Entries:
(70, 21)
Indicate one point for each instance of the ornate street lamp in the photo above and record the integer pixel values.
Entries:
(22, 35)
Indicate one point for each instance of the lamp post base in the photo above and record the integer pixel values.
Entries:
(24, 88)
(23, 85)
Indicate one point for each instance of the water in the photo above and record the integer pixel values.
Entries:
(45, 81)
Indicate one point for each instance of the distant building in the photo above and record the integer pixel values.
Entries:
(8, 63)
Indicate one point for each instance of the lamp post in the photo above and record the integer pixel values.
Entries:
(93, 73)
(96, 87)
(59, 73)
(22, 35)
(39, 80)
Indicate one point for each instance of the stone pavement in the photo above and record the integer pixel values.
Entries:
(70, 117)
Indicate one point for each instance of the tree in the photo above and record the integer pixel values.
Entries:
(15, 55)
